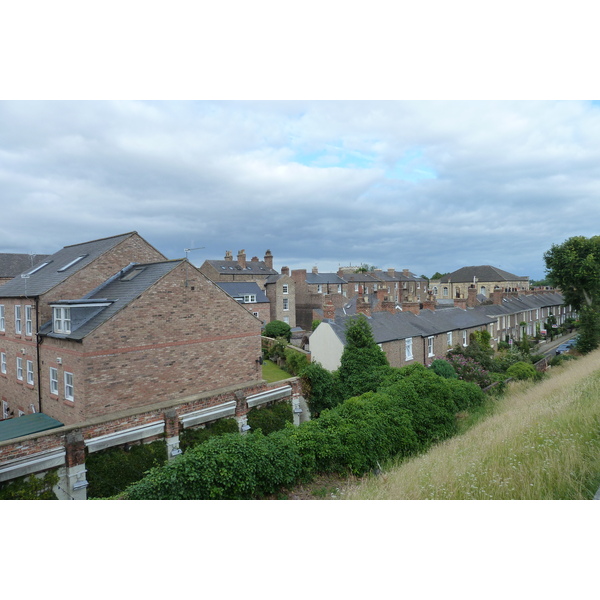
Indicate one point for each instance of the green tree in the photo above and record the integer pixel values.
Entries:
(363, 364)
(276, 329)
(574, 267)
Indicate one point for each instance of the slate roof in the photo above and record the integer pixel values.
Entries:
(483, 273)
(54, 272)
(388, 326)
(110, 297)
(238, 289)
(324, 278)
(253, 267)
(12, 265)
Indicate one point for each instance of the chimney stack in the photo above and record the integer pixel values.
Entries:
(460, 303)
(363, 306)
(268, 259)
(242, 258)
(285, 271)
(315, 270)
(228, 255)
(472, 296)
(412, 307)
(328, 309)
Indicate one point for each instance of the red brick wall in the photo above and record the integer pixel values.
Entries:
(173, 341)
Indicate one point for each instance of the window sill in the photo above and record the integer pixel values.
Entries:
(69, 402)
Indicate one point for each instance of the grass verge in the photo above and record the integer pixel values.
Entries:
(271, 372)
(541, 442)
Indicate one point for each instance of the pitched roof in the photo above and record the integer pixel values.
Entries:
(324, 278)
(12, 265)
(238, 289)
(253, 267)
(482, 273)
(95, 308)
(59, 266)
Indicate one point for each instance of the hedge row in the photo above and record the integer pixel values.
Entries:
(412, 408)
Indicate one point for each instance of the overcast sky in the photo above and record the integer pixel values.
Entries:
(429, 186)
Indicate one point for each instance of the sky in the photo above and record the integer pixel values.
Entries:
(424, 185)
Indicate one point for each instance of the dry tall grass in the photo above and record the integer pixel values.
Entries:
(541, 443)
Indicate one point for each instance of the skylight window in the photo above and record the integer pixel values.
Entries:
(36, 269)
(132, 274)
(73, 262)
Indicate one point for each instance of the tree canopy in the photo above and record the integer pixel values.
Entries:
(276, 329)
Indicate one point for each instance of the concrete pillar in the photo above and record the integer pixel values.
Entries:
(172, 433)
(72, 483)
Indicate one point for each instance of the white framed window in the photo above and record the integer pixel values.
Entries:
(445, 292)
(19, 368)
(435, 290)
(465, 338)
(29, 365)
(62, 319)
(18, 318)
(2, 321)
(285, 288)
(255, 314)
(249, 298)
(408, 351)
(449, 339)
(3, 363)
(5, 413)
(430, 346)
(28, 320)
(356, 287)
(69, 386)
(54, 380)
(286, 320)
(319, 288)
(339, 288)
(286, 304)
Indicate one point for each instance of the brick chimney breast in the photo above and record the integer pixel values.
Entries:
(285, 270)
(242, 258)
(315, 270)
(228, 255)
(269, 259)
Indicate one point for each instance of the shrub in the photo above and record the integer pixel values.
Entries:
(276, 329)
(190, 437)
(294, 361)
(522, 370)
(443, 368)
(469, 369)
(227, 467)
(319, 388)
(30, 487)
(270, 418)
(110, 471)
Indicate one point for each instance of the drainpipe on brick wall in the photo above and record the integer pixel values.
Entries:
(38, 341)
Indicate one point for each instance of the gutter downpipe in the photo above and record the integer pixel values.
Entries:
(38, 338)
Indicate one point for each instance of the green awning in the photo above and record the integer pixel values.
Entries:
(26, 425)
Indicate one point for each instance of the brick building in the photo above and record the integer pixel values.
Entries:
(281, 292)
(240, 269)
(250, 296)
(12, 265)
(25, 307)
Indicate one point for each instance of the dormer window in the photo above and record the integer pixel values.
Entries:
(62, 319)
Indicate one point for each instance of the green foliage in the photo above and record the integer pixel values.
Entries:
(428, 399)
(276, 349)
(315, 324)
(478, 350)
(574, 267)
(319, 388)
(30, 487)
(438, 275)
(363, 364)
(191, 437)
(295, 361)
(227, 467)
(276, 329)
(468, 369)
(110, 471)
(443, 368)
(270, 418)
(522, 370)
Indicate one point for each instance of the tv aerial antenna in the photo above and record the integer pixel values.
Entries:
(187, 253)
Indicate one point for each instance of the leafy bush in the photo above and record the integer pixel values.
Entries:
(30, 487)
(468, 369)
(319, 388)
(276, 329)
(443, 368)
(190, 437)
(522, 370)
(295, 361)
(110, 471)
(227, 467)
(270, 418)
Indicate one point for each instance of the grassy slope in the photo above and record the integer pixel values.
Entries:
(541, 442)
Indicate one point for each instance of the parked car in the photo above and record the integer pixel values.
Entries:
(562, 349)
